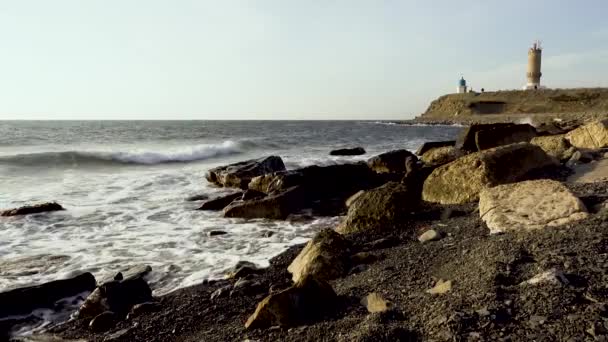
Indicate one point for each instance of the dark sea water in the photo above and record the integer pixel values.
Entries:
(124, 185)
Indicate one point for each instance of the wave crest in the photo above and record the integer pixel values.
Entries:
(141, 157)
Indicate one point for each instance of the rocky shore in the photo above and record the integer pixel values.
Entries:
(499, 235)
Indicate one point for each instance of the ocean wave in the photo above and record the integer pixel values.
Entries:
(141, 157)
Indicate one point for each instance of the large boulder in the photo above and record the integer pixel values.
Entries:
(485, 136)
(441, 155)
(433, 144)
(33, 209)
(355, 151)
(529, 205)
(384, 207)
(305, 301)
(276, 206)
(554, 145)
(593, 135)
(238, 175)
(118, 296)
(24, 300)
(461, 180)
(391, 162)
(221, 202)
(324, 257)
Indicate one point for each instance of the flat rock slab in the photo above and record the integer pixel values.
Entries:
(528, 206)
(590, 173)
(593, 135)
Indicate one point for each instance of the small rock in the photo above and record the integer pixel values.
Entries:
(117, 335)
(267, 233)
(429, 235)
(243, 269)
(441, 287)
(552, 276)
(358, 269)
(356, 151)
(32, 209)
(216, 233)
(103, 322)
(383, 243)
(246, 287)
(194, 198)
(221, 292)
(142, 308)
(363, 258)
(375, 303)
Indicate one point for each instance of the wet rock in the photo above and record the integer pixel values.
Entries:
(384, 208)
(356, 151)
(529, 205)
(390, 162)
(238, 175)
(221, 202)
(195, 198)
(593, 135)
(441, 287)
(461, 180)
(32, 209)
(480, 137)
(441, 155)
(277, 206)
(143, 308)
(247, 287)
(103, 322)
(429, 235)
(306, 300)
(22, 301)
(324, 257)
(434, 144)
(375, 303)
(552, 276)
(250, 194)
(216, 233)
(554, 145)
(221, 292)
(243, 269)
(118, 296)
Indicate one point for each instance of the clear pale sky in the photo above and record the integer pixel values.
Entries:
(282, 59)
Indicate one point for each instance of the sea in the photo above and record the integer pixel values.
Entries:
(125, 186)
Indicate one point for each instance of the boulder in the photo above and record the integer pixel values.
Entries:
(325, 257)
(238, 175)
(390, 162)
(221, 202)
(355, 151)
(118, 296)
(384, 207)
(277, 206)
(529, 205)
(593, 135)
(432, 145)
(441, 155)
(24, 300)
(554, 145)
(484, 136)
(461, 180)
(352, 198)
(305, 301)
(250, 194)
(33, 209)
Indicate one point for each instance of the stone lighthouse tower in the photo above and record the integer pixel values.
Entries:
(534, 62)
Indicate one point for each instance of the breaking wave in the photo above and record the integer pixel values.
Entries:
(141, 157)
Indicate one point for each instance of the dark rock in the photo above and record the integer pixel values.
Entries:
(243, 269)
(143, 308)
(116, 296)
(250, 194)
(32, 209)
(433, 144)
(479, 137)
(247, 287)
(391, 162)
(221, 292)
(22, 301)
(277, 206)
(356, 151)
(305, 301)
(103, 322)
(238, 175)
(387, 242)
(216, 233)
(549, 128)
(220, 202)
(382, 208)
(194, 198)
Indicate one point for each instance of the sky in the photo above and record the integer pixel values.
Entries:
(282, 59)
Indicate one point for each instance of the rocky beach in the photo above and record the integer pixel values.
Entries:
(497, 235)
